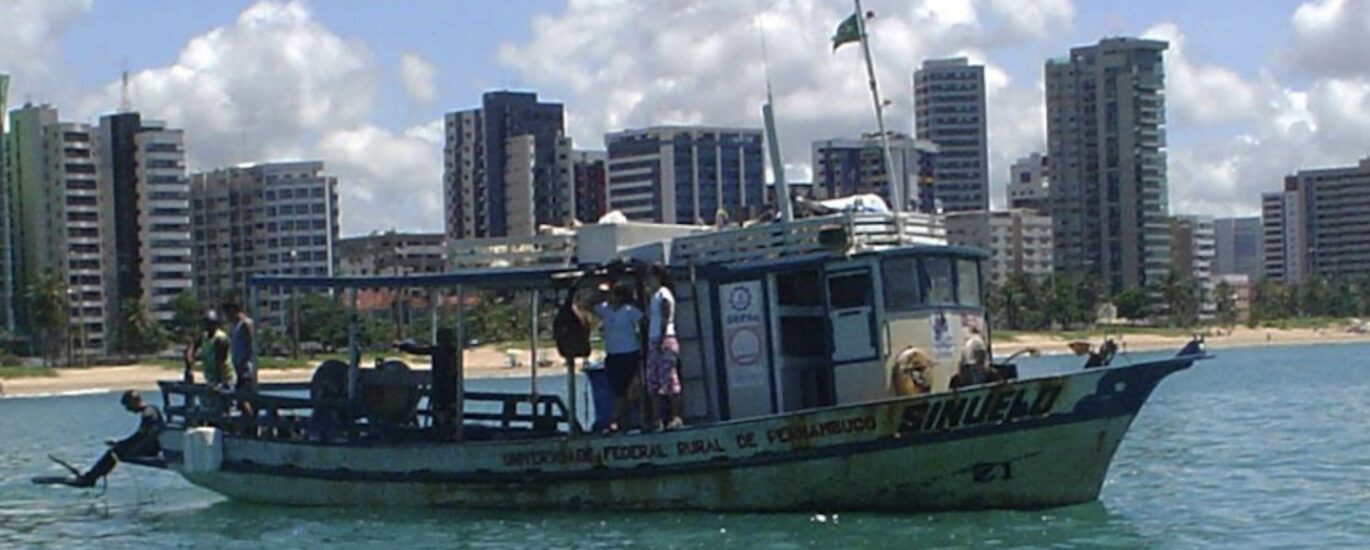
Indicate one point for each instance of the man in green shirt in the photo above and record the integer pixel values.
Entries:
(212, 353)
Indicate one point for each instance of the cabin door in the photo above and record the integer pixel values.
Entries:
(851, 315)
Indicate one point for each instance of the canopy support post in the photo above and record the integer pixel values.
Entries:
(433, 296)
(459, 419)
(573, 420)
(354, 353)
(533, 353)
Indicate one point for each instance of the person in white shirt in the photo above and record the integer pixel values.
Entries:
(619, 320)
(663, 351)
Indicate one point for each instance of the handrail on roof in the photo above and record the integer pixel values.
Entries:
(496, 277)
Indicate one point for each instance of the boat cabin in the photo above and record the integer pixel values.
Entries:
(818, 312)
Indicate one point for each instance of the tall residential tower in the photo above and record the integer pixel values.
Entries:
(949, 99)
(507, 167)
(1106, 155)
(686, 174)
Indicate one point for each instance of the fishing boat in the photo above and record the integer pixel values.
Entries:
(816, 355)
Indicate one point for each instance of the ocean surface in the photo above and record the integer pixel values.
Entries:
(1259, 448)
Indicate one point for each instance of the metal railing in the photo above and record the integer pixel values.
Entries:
(291, 417)
(835, 233)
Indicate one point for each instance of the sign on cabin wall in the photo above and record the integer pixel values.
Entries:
(943, 342)
(745, 350)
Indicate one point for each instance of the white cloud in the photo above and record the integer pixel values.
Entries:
(28, 50)
(419, 78)
(277, 84)
(387, 180)
(620, 64)
(1198, 93)
(1330, 37)
(256, 89)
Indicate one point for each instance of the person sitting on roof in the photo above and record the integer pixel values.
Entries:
(142, 444)
(975, 368)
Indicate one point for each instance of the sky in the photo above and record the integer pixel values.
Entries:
(1255, 90)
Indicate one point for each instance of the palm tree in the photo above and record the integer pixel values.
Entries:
(47, 297)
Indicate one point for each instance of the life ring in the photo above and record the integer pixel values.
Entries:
(912, 372)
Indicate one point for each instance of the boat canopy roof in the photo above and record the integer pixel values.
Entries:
(522, 277)
(799, 261)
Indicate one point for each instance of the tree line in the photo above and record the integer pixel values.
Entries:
(1067, 300)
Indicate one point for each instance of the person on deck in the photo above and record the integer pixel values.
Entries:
(142, 444)
(663, 351)
(975, 368)
(619, 320)
(212, 351)
(241, 334)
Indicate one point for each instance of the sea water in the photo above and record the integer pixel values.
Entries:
(1258, 448)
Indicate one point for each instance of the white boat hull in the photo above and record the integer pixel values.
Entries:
(1027, 444)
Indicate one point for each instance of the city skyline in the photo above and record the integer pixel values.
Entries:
(1244, 108)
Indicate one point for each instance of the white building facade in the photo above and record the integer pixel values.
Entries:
(1019, 241)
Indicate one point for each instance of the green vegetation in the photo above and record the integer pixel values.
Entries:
(15, 371)
(1309, 304)
(139, 334)
(48, 305)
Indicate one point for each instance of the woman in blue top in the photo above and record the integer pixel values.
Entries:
(619, 320)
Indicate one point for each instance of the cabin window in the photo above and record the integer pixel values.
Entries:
(967, 283)
(900, 279)
(936, 281)
(799, 288)
(849, 291)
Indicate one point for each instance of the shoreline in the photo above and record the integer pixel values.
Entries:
(486, 363)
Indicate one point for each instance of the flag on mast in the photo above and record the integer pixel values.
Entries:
(847, 32)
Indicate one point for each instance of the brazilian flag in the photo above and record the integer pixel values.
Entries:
(848, 31)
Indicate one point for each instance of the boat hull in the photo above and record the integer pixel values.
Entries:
(1027, 444)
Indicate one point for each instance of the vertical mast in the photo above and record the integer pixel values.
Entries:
(896, 183)
(782, 187)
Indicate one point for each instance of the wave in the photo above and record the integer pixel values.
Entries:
(68, 393)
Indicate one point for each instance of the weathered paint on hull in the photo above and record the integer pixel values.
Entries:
(1049, 467)
(1030, 444)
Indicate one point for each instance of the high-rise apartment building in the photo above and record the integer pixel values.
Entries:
(60, 226)
(506, 167)
(1193, 248)
(144, 175)
(1239, 244)
(1106, 156)
(685, 174)
(278, 218)
(843, 167)
(1316, 227)
(8, 295)
(590, 174)
(1019, 241)
(949, 102)
(1029, 184)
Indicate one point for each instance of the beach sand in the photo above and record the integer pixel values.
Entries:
(480, 362)
(1048, 343)
(489, 361)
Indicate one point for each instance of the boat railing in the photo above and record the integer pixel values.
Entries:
(279, 415)
(835, 233)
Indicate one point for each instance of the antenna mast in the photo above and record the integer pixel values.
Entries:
(896, 187)
(125, 105)
(781, 186)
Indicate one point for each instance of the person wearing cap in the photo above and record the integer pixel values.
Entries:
(143, 443)
(212, 352)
